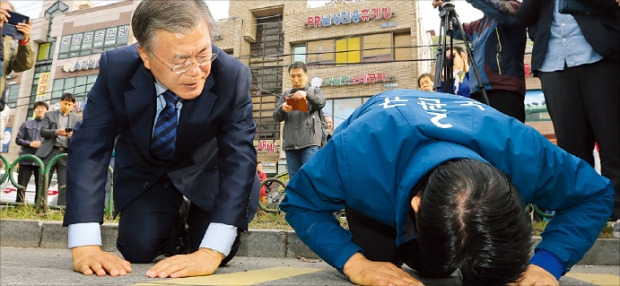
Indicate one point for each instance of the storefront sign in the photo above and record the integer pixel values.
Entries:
(81, 65)
(388, 24)
(270, 167)
(268, 146)
(357, 79)
(42, 86)
(341, 18)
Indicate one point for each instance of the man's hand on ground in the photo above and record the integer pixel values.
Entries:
(92, 259)
(535, 275)
(362, 271)
(199, 263)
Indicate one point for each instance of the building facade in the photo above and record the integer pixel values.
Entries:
(68, 39)
(356, 48)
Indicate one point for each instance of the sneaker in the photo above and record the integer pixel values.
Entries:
(616, 231)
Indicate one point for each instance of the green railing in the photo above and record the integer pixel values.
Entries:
(41, 203)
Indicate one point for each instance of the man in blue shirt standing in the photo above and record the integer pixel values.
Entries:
(440, 182)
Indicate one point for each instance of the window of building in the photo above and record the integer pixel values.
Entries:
(348, 51)
(269, 43)
(340, 109)
(45, 52)
(321, 53)
(267, 68)
(402, 49)
(13, 92)
(299, 53)
(56, 8)
(384, 47)
(80, 88)
(377, 48)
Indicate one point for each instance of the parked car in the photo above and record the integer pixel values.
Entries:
(8, 191)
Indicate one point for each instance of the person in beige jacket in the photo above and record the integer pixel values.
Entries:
(16, 55)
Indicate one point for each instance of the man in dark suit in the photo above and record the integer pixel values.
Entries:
(212, 163)
(56, 132)
(576, 54)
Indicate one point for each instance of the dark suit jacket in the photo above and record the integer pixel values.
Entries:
(214, 164)
(601, 32)
(48, 131)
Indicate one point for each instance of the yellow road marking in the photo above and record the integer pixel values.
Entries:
(598, 279)
(239, 278)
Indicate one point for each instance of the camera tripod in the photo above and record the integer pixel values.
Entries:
(448, 16)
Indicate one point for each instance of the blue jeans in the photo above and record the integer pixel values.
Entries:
(297, 158)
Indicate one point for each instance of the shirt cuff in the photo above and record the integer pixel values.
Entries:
(81, 234)
(219, 237)
(549, 262)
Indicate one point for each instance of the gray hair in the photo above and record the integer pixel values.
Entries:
(174, 16)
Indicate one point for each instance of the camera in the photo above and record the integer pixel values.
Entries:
(447, 4)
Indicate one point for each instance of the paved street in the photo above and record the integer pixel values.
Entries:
(42, 266)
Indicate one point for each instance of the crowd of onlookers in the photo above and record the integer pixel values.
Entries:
(47, 134)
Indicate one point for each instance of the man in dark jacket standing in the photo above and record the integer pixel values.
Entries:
(576, 54)
(29, 137)
(302, 127)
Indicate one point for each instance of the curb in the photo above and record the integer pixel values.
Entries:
(256, 242)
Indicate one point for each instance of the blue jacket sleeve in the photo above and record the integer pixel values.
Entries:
(583, 201)
(311, 198)
(237, 155)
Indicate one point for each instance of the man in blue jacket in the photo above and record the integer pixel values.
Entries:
(392, 161)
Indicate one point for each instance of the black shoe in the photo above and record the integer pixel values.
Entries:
(181, 234)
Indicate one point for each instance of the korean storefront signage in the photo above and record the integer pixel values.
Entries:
(93, 42)
(81, 65)
(357, 79)
(42, 86)
(348, 17)
(268, 146)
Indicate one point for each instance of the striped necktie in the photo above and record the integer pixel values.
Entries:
(165, 132)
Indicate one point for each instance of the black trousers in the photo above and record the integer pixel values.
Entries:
(378, 241)
(23, 178)
(584, 104)
(61, 174)
(510, 103)
(148, 226)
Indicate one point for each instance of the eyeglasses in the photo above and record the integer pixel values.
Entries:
(184, 67)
